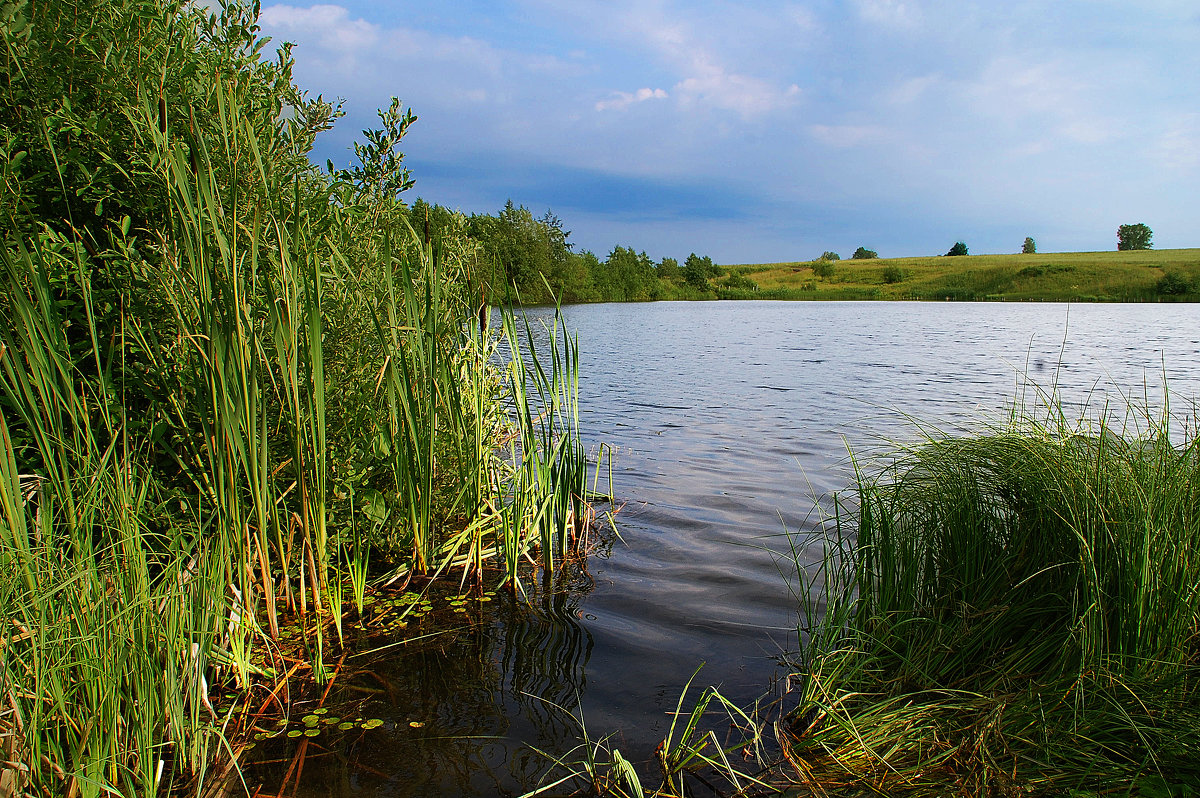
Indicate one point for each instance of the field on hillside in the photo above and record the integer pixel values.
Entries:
(1131, 276)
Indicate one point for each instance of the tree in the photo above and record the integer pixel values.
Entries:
(1134, 236)
(959, 248)
(668, 270)
(1029, 247)
(697, 270)
(862, 253)
(830, 256)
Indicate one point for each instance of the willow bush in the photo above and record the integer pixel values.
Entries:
(229, 382)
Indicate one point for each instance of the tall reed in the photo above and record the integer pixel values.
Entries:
(210, 422)
(547, 500)
(1017, 610)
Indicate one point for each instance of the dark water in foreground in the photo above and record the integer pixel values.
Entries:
(727, 418)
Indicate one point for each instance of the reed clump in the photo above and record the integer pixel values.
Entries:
(234, 389)
(1015, 612)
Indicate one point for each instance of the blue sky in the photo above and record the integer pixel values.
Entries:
(774, 131)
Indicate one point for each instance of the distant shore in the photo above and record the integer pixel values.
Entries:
(1166, 275)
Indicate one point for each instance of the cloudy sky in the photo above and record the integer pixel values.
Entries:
(771, 131)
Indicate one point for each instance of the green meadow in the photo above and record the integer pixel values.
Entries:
(1129, 276)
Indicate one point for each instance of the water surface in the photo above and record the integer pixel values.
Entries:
(727, 419)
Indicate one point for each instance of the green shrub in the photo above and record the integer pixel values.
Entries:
(739, 281)
(1172, 284)
(823, 268)
(892, 274)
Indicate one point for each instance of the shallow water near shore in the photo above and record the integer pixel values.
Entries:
(727, 419)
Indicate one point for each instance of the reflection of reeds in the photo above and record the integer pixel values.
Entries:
(470, 692)
(1014, 611)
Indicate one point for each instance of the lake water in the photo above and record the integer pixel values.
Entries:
(727, 419)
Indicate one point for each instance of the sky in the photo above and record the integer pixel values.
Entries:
(774, 131)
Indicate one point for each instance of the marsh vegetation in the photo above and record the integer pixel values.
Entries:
(1011, 612)
(235, 390)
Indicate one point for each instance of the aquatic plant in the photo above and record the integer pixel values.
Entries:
(690, 751)
(229, 383)
(1015, 611)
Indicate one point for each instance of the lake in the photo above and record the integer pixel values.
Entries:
(728, 420)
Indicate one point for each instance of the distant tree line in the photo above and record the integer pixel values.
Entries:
(519, 257)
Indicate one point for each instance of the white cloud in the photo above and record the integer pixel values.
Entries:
(846, 135)
(623, 99)
(912, 89)
(713, 86)
(803, 18)
(890, 13)
(711, 73)
(1055, 96)
(1178, 148)
(326, 26)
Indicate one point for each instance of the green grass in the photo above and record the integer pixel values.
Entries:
(217, 417)
(1015, 612)
(1131, 276)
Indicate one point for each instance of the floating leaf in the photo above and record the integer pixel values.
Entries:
(309, 720)
(373, 723)
(345, 725)
(294, 733)
(312, 732)
(417, 724)
(320, 710)
(332, 719)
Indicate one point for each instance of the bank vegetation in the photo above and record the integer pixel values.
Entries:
(235, 390)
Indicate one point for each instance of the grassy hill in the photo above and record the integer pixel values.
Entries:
(1132, 276)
